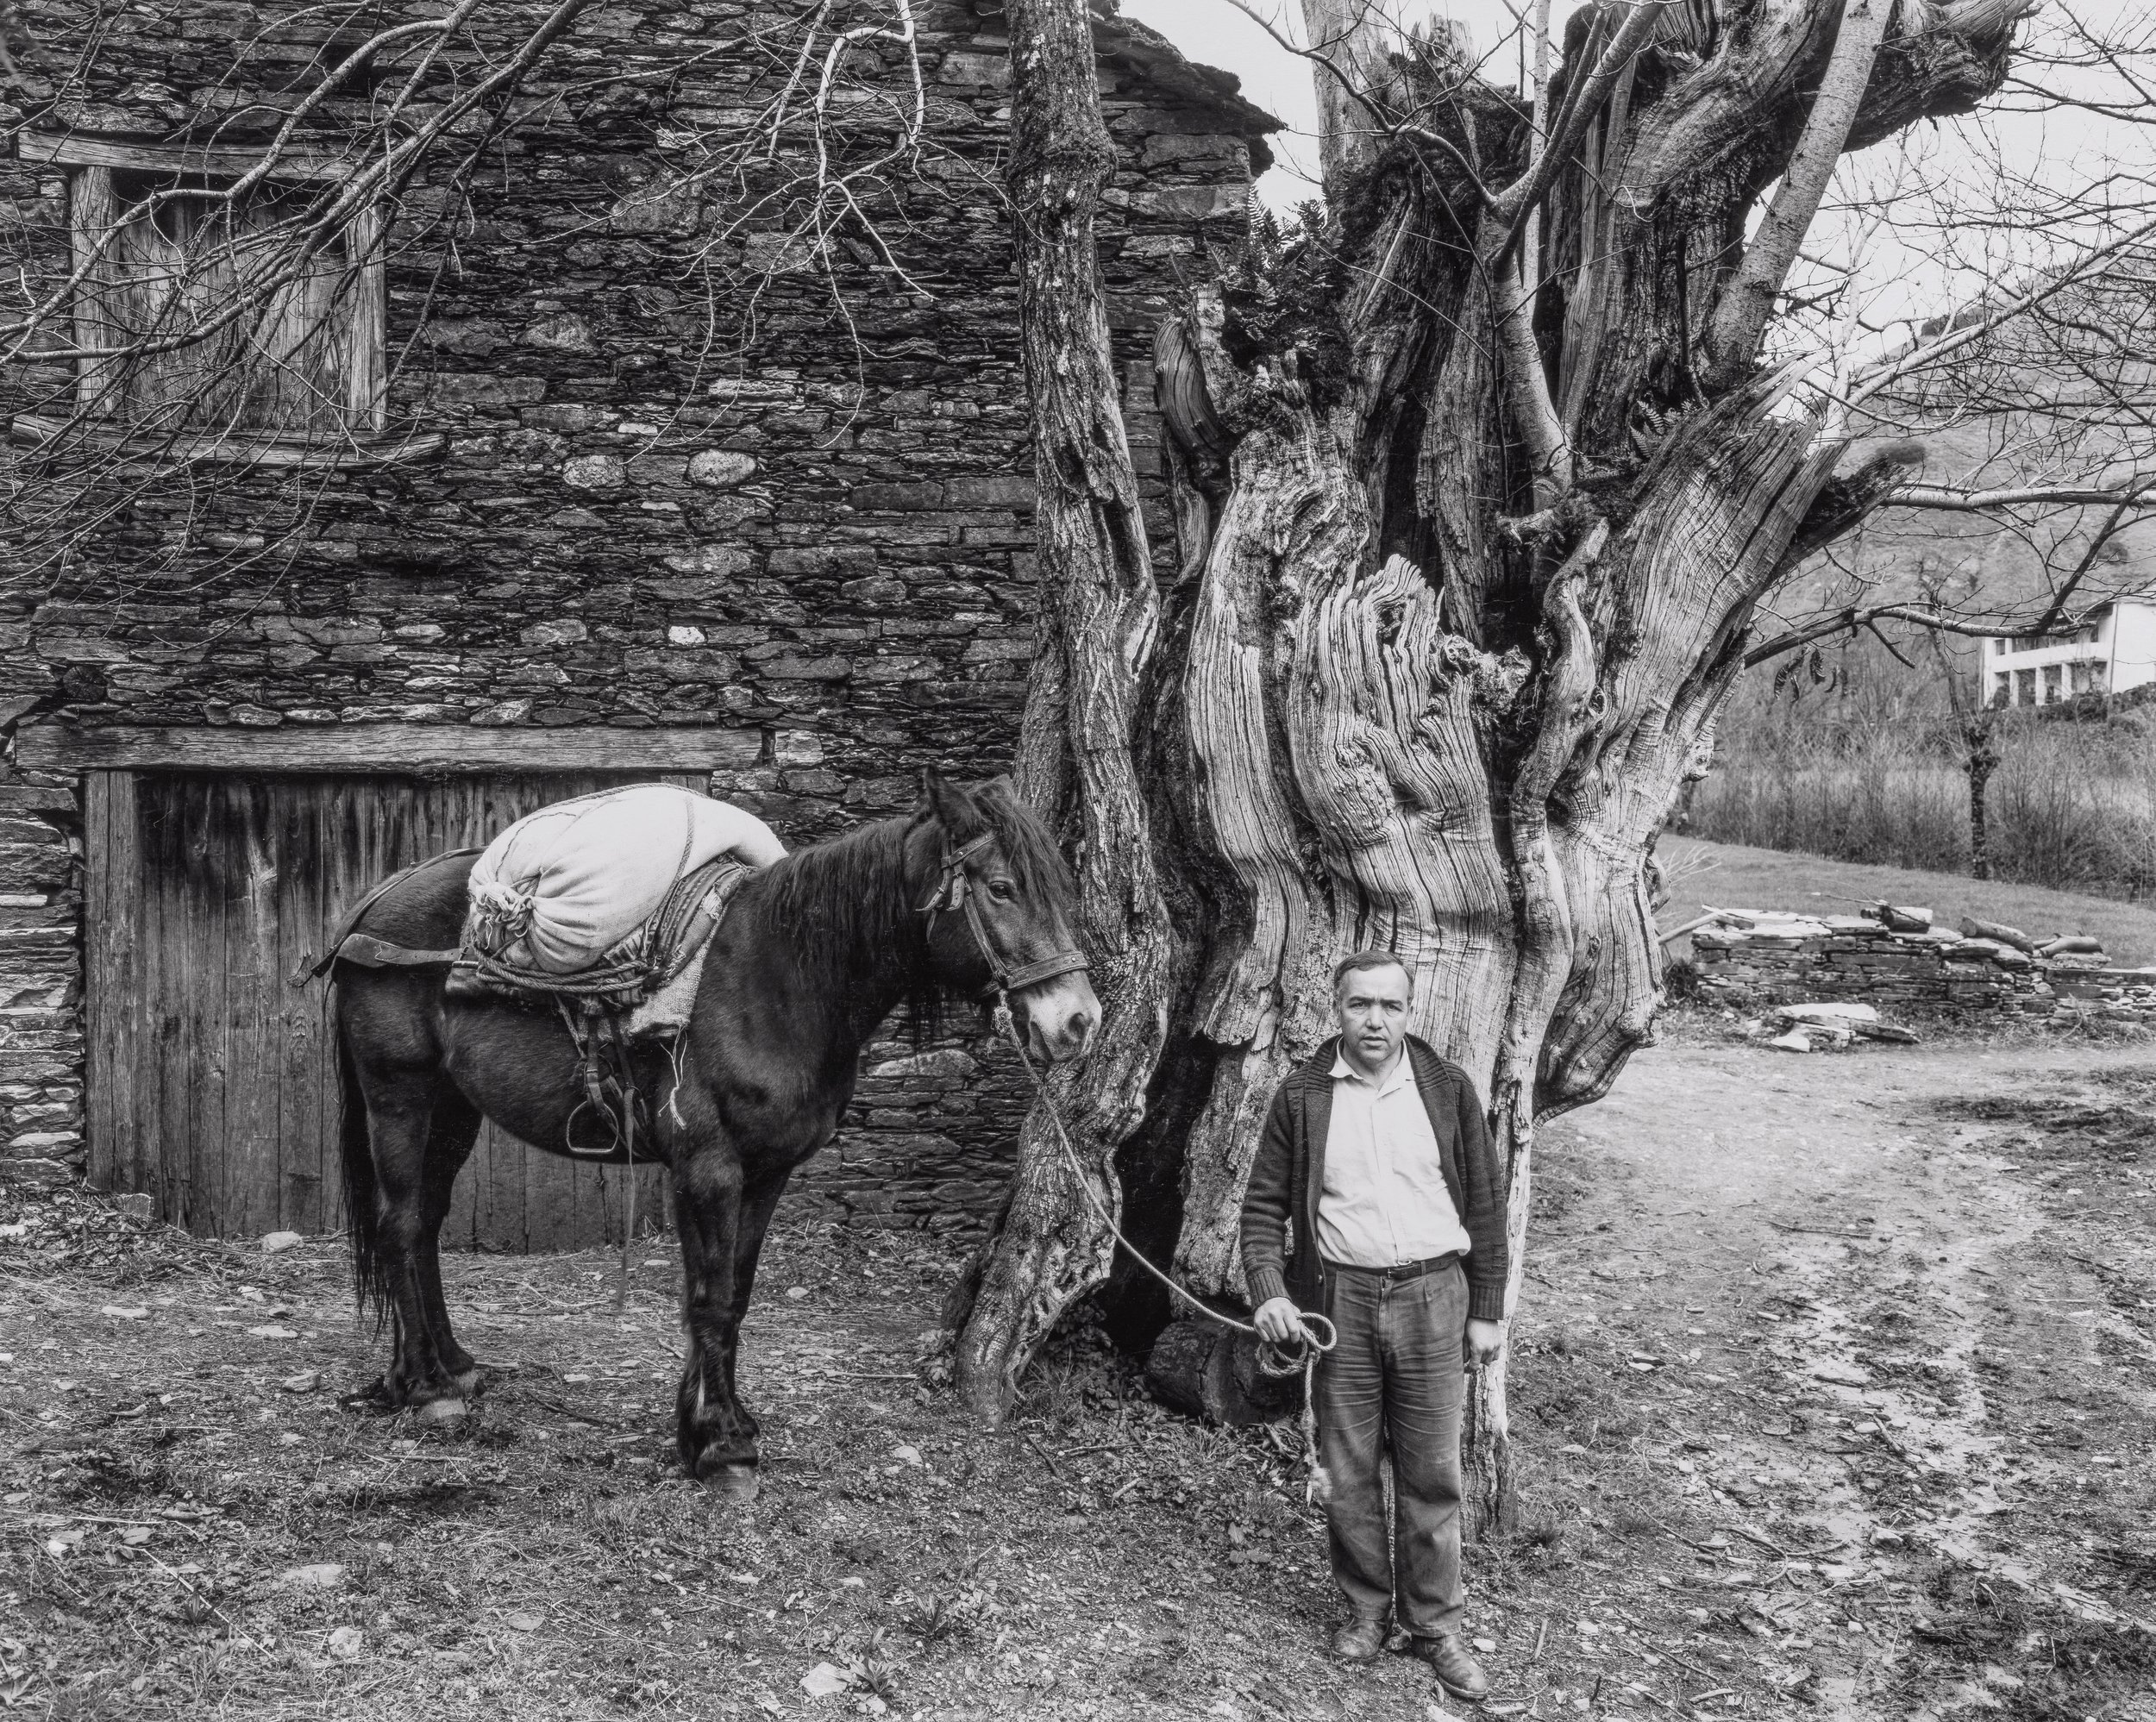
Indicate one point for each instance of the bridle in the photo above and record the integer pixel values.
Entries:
(954, 893)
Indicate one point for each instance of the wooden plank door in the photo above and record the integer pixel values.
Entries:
(212, 1084)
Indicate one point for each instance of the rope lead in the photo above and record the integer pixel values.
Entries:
(1317, 1486)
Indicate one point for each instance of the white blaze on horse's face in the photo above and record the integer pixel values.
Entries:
(1060, 1016)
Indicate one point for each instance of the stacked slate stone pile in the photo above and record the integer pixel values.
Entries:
(1752, 959)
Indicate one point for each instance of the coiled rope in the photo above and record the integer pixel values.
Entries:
(1274, 1359)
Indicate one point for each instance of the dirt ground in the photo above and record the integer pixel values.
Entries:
(1832, 1393)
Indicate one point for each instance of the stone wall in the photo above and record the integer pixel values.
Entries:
(638, 518)
(1850, 958)
(41, 977)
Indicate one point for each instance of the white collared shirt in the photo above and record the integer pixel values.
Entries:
(1384, 1202)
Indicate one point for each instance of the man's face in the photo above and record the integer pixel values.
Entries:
(1372, 1005)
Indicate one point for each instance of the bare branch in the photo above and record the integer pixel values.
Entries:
(1850, 620)
(1582, 102)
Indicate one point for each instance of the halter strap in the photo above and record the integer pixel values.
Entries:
(953, 893)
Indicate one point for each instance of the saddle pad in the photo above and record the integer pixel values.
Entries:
(667, 1012)
(561, 888)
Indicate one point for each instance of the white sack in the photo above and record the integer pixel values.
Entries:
(578, 878)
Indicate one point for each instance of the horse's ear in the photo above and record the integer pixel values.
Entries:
(945, 803)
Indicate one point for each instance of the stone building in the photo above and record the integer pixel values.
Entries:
(532, 506)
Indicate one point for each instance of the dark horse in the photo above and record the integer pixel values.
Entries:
(967, 895)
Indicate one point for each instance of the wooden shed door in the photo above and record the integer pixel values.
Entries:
(212, 1085)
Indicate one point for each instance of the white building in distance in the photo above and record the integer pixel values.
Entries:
(2112, 650)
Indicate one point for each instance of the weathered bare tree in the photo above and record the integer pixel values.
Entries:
(1484, 481)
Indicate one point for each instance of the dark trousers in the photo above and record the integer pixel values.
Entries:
(1395, 1383)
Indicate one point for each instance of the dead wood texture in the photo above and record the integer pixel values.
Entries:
(1470, 547)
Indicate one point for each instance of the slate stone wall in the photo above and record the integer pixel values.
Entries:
(650, 510)
(1906, 975)
(41, 977)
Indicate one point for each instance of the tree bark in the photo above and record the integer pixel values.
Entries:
(1470, 546)
(1100, 629)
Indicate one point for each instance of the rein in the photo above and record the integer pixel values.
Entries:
(1273, 1360)
(954, 893)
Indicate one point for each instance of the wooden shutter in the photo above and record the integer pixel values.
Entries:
(307, 364)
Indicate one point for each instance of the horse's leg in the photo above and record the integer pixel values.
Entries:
(716, 1434)
(758, 1203)
(451, 1130)
(400, 1108)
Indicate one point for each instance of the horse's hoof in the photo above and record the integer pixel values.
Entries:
(443, 1411)
(732, 1482)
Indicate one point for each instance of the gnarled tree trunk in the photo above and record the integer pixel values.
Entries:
(1470, 546)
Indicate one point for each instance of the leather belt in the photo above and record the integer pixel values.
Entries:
(1406, 1270)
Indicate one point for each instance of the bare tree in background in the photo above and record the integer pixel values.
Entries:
(1485, 478)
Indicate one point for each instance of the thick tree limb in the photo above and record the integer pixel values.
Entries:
(1352, 40)
(1533, 411)
(1845, 502)
(1748, 300)
(1097, 580)
(1953, 499)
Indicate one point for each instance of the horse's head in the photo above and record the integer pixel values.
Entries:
(998, 899)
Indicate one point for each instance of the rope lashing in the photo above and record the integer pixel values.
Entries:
(1271, 1359)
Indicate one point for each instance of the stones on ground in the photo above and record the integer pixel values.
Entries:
(1841, 1374)
(825, 1680)
(525, 1621)
(317, 1575)
(272, 1332)
(304, 1383)
(345, 1642)
(124, 1312)
(1836, 1011)
(907, 1455)
(277, 1243)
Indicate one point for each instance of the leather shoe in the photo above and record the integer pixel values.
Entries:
(1359, 1641)
(1459, 1674)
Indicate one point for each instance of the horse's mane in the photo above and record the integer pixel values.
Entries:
(850, 894)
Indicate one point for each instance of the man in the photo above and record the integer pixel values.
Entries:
(1376, 1172)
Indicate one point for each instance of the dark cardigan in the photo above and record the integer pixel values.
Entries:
(1279, 1210)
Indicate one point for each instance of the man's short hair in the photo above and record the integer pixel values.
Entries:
(1373, 959)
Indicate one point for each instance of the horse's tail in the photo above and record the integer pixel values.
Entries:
(361, 1208)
